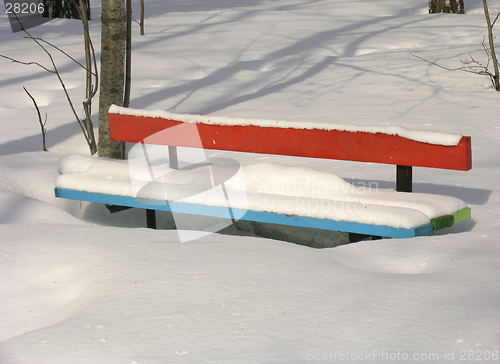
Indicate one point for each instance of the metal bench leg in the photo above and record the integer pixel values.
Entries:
(404, 178)
(151, 219)
(172, 157)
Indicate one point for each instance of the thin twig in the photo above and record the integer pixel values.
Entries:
(63, 52)
(469, 69)
(474, 66)
(90, 90)
(494, 21)
(27, 63)
(495, 78)
(42, 124)
(142, 17)
(56, 71)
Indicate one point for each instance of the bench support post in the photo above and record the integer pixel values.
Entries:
(151, 219)
(172, 157)
(403, 178)
(174, 164)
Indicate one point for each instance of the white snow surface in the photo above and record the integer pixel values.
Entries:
(79, 285)
(424, 136)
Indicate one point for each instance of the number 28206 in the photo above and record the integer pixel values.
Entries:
(23, 8)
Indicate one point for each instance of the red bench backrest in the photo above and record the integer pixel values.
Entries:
(313, 143)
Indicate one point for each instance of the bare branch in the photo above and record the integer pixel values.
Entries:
(470, 69)
(495, 78)
(63, 52)
(42, 124)
(86, 124)
(142, 17)
(90, 89)
(474, 66)
(56, 71)
(494, 21)
(27, 63)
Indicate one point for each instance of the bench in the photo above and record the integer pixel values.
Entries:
(384, 213)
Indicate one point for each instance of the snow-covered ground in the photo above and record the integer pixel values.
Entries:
(79, 285)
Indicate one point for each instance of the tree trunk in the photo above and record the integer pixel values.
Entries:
(128, 54)
(46, 6)
(446, 6)
(91, 86)
(58, 9)
(112, 73)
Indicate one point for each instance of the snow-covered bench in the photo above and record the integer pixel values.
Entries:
(267, 192)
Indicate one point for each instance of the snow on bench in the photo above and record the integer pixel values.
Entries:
(269, 192)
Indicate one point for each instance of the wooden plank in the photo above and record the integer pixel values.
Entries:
(268, 217)
(442, 222)
(462, 215)
(313, 143)
(450, 220)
